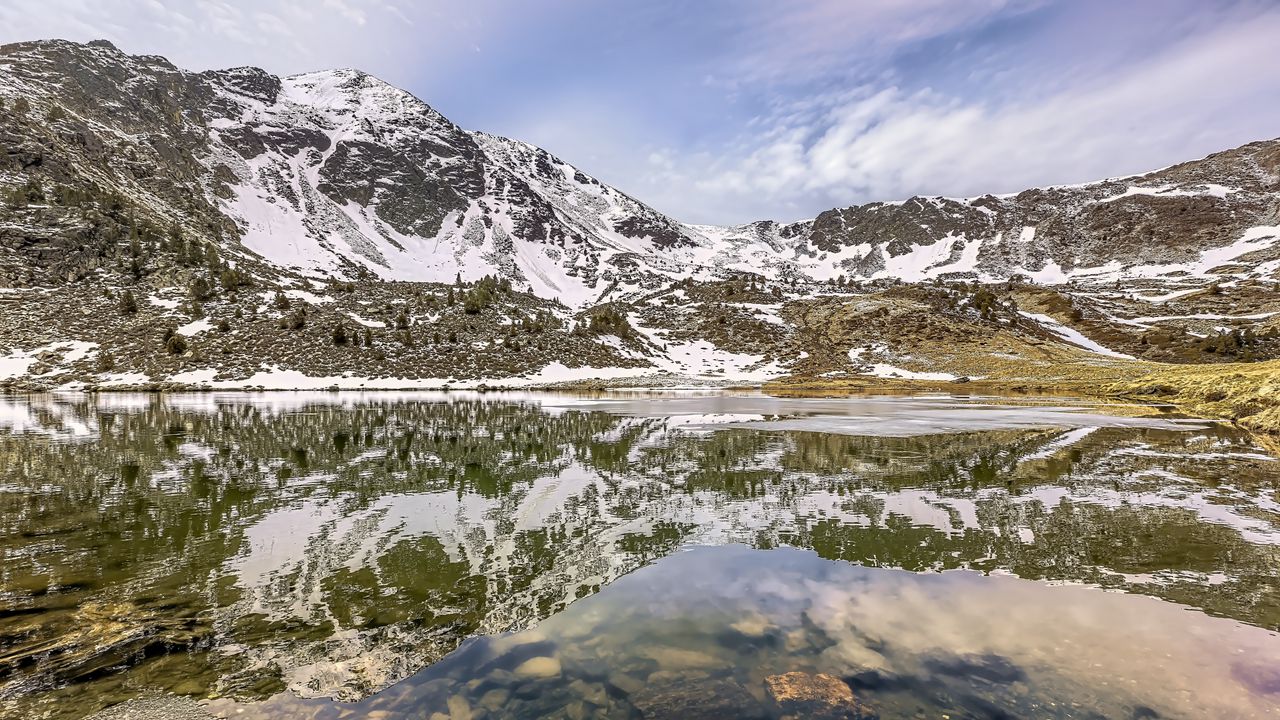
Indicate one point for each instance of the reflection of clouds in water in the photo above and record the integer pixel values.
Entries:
(1107, 651)
(327, 507)
(1072, 639)
(955, 639)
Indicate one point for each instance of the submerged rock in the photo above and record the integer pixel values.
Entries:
(539, 667)
(684, 699)
(820, 696)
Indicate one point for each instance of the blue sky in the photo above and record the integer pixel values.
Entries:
(725, 111)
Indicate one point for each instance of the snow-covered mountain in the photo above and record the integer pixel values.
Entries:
(1219, 216)
(337, 174)
(333, 174)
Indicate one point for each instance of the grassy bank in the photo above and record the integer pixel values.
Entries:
(1247, 394)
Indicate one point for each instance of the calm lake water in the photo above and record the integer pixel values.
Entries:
(428, 555)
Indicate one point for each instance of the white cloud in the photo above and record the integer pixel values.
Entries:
(1212, 91)
(732, 110)
(813, 37)
(346, 10)
(283, 36)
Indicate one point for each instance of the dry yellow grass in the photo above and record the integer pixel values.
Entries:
(1246, 393)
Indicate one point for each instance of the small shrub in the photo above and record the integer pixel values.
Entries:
(295, 320)
(231, 278)
(200, 289)
(610, 321)
(128, 303)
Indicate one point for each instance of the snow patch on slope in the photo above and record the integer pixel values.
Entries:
(1073, 336)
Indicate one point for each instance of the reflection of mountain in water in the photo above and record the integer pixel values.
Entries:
(709, 633)
(336, 547)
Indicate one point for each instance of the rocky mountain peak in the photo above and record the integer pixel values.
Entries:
(338, 173)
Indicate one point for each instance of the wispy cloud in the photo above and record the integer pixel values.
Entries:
(284, 36)
(887, 140)
(732, 110)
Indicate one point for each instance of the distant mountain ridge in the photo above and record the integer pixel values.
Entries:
(338, 174)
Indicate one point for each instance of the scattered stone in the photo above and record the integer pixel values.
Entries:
(626, 683)
(494, 699)
(459, 708)
(539, 667)
(576, 710)
(593, 693)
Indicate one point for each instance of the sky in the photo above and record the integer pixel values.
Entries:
(727, 111)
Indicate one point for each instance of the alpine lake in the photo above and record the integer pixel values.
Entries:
(681, 554)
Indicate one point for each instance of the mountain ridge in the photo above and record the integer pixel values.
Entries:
(381, 182)
(274, 225)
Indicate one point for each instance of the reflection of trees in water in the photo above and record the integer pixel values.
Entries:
(155, 510)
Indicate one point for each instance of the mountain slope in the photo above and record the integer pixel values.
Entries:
(328, 228)
(1185, 220)
(331, 174)
(339, 174)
